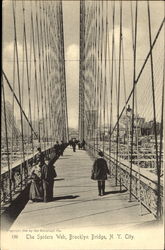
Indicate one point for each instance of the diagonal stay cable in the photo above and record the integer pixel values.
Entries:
(18, 101)
(142, 68)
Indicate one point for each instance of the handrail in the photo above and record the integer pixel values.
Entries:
(15, 177)
(148, 191)
(120, 161)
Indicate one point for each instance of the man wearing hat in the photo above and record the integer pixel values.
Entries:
(47, 175)
(99, 172)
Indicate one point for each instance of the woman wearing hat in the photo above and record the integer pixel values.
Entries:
(99, 172)
(36, 190)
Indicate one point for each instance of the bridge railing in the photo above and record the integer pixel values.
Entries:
(144, 184)
(13, 182)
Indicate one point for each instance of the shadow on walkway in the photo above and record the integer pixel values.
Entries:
(67, 155)
(65, 197)
(63, 158)
(59, 179)
(14, 209)
(115, 192)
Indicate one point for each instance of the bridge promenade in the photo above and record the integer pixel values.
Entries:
(76, 203)
(104, 66)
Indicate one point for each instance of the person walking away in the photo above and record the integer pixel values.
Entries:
(62, 147)
(79, 144)
(57, 148)
(40, 157)
(70, 143)
(83, 144)
(74, 146)
(36, 189)
(99, 172)
(47, 175)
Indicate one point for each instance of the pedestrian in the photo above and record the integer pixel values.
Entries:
(40, 157)
(74, 146)
(70, 143)
(79, 145)
(57, 148)
(62, 147)
(99, 172)
(83, 144)
(48, 174)
(36, 189)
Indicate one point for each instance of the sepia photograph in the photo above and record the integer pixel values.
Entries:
(82, 114)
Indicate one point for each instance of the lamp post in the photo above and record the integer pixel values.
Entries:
(129, 114)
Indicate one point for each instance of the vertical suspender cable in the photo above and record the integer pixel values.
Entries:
(105, 73)
(30, 80)
(161, 128)
(48, 70)
(27, 69)
(123, 150)
(161, 139)
(133, 102)
(97, 76)
(35, 74)
(40, 72)
(43, 73)
(111, 83)
(7, 142)
(118, 94)
(154, 118)
(136, 106)
(101, 75)
(19, 88)
(64, 75)
(63, 129)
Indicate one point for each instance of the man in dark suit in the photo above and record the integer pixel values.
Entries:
(62, 147)
(47, 175)
(57, 148)
(99, 172)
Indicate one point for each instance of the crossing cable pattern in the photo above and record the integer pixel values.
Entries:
(121, 93)
(34, 101)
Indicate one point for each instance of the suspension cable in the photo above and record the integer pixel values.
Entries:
(118, 94)
(7, 142)
(133, 100)
(23, 112)
(27, 68)
(142, 68)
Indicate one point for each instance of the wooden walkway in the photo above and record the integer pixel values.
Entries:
(79, 219)
(76, 202)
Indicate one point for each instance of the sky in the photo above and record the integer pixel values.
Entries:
(71, 43)
(71, 40)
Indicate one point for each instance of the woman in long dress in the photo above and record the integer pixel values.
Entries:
(36, 188)
(48, 174)
(99, 172)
